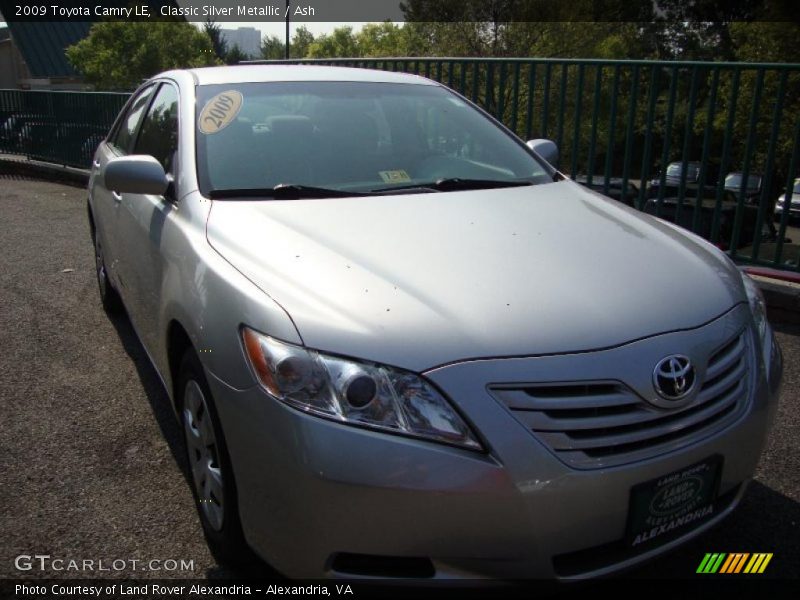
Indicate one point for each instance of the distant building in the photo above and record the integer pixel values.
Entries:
(32, 55)
(247, 38)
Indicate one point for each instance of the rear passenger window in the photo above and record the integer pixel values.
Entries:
(159, 134)
(126, 130)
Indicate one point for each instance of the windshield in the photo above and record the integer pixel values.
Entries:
(734, 181)
(349, 137)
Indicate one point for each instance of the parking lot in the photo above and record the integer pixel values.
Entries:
(91, 456)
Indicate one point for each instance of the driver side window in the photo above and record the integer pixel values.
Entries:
(123, 137)
(159, 133)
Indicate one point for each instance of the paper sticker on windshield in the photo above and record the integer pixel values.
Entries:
(394, 176)
(219, 111)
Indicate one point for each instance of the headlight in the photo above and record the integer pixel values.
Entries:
(758, 307)
(355, 392)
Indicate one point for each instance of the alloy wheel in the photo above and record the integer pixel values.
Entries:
(203, 454)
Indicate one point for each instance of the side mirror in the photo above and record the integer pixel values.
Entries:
(547, 149)
(135, 174)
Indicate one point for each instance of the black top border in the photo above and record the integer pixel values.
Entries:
(358, 11)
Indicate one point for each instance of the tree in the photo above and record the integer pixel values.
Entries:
(301, 41)
(214, 32)
(482, 28)
(382, 39)
(339, 43)
(118, 55)
(766, 41)
(235, 56)
(272, 48)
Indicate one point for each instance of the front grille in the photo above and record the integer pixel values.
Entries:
(599, 424)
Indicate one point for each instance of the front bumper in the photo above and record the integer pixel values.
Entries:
(311, 490)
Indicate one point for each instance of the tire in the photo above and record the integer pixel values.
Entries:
(209, 464)
(109, 297)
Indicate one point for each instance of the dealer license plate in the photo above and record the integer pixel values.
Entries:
(674, 502)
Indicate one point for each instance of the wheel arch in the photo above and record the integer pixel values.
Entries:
(90, 216)
(178, 342)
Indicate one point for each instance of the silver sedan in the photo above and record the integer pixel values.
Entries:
(401, 343)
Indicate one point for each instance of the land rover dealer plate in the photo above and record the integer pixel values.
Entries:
(670, 503)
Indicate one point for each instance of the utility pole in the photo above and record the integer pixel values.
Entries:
(286, 55)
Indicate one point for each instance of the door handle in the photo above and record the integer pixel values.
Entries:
(117, 196)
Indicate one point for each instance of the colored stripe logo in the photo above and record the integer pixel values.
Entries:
(735, 562)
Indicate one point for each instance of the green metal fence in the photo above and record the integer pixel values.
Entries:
(659, 136)
(620, 124)
(57, 127)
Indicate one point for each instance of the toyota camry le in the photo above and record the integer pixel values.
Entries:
(387, 357)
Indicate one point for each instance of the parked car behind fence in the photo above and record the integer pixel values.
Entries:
(681, 210)
(752, 191)
(794, 203)
(614, 191)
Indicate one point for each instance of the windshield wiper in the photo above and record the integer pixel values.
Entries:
(296, 191)
(285, 191)
(451, 184)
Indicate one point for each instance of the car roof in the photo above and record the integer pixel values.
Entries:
(255, 73)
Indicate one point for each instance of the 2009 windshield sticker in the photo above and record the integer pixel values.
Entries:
(218, 112)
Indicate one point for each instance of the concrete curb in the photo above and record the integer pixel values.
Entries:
(781, 289)
(21, 168)
(782, 298)
(782, 307)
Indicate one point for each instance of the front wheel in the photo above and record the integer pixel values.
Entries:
(209, 464)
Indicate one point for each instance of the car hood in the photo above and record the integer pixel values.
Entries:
(420, 280)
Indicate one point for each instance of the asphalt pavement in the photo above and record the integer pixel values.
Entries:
(91, 457)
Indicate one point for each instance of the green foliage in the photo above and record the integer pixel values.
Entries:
(301, 41)
(272, 48)
(119, 55)
(235, 56)
(340, 42)
(663, 30)
(214, 32)
(382, 39)
(766, 42)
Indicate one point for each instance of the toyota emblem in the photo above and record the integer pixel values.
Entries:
(674, 377)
